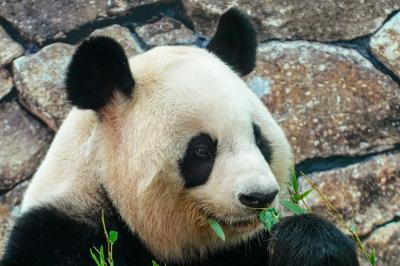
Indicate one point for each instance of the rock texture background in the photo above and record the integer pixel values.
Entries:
(329, 71)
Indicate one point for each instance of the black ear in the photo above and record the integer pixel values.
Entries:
(235, 41)
(98, 69)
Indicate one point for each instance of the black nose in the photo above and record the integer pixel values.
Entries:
(257, 199)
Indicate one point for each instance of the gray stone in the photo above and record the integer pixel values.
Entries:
(23, 143)
(366, 193)
(9, 49)
(294, 19)
(9, 211)
(41, 20)
(40, 80)
(385, 44)
(121, 7)
(329, 100)
(123, 36)
(166, 31)
(6, 82)
(386, 241)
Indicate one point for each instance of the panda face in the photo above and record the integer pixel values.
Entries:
(224, 155)
(180, 138)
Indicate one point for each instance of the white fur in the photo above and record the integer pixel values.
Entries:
(68, 164)
(134, 151)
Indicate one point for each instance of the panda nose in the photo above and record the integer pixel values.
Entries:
(258, 199)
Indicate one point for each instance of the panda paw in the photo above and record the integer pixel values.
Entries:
(310, 240)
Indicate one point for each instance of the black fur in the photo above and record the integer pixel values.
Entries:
(198, 161)
(235, 41)
(98, 68)
(262, 143)
(312, 241)
(48, 236)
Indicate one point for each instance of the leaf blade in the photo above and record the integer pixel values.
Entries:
(354, 228)
(301, 196)
(102, 257)
(217, 228)
(293, 207)
(269, 218)
(113, 236)
(96, 260)
(372, 257)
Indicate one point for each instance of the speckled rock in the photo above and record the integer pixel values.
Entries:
(386, 242)
(23, 143)
(9, 211)
(46, 19)
(121, 7)
(6, 82)
(9, 49)
(366, 193)
(329, 100)
(293, 19)
(166, 31)
(40, 80)
(123, 36)
(41, 20)
(385, 44)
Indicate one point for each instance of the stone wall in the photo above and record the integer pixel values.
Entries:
(329, 71)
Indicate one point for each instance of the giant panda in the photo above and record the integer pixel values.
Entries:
(160, 143)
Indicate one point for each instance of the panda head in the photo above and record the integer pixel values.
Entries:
(180, 138)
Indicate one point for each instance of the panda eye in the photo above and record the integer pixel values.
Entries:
(202, 151)
(257, 135)
(258, 140)
(263, 144)
(198, 160)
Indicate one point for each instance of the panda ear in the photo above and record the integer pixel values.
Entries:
(98, 69)
(235, 41)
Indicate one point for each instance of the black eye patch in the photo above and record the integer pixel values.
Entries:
(262, 143)
(198, 161)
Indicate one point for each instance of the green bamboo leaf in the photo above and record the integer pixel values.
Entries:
(217, 228)
(354, 228)
(301, 196)
(154, 263)
(113, 236)
(293, 207)
(102, 257)
(295, 185)
(94, 257)
(269, 217)
(372, 257)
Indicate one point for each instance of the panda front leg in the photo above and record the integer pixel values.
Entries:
(310, 240)
(48, 236)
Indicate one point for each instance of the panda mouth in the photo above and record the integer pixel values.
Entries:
(239, 221)
(249, 221)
